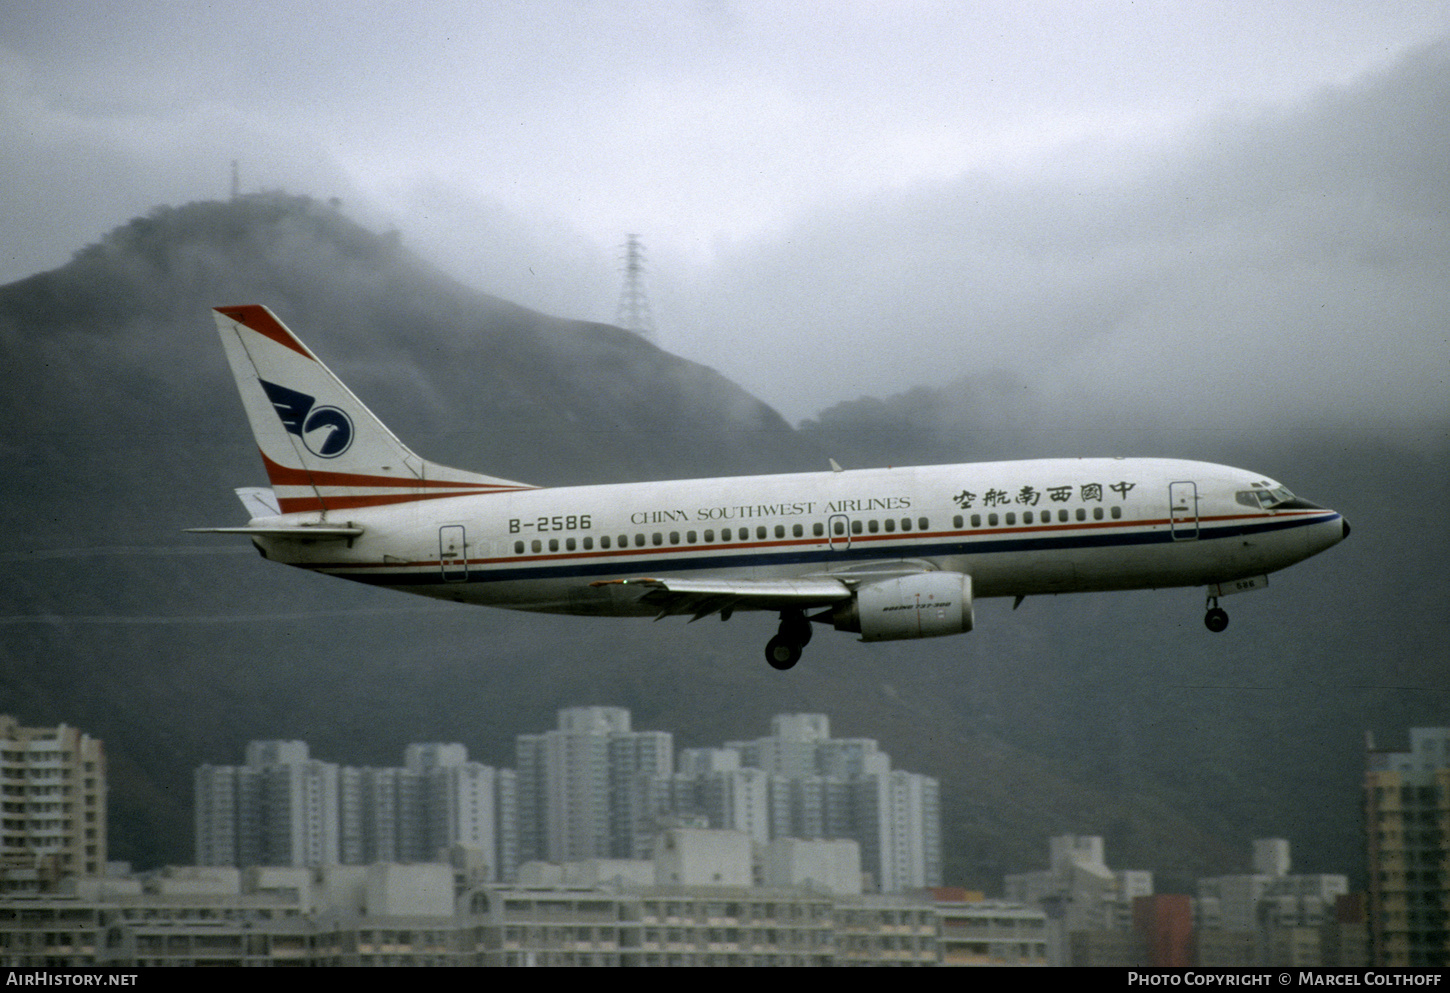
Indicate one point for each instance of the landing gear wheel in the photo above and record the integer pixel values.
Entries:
(1216, 619)
(782, 653)
(795, 628)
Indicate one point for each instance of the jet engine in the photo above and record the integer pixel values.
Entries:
(925, 605)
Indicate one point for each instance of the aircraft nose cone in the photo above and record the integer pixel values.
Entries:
(1345, 522)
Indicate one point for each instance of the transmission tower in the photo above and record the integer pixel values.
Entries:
(634, 313)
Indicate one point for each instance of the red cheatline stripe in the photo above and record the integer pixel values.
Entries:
(282, 475)
(260, 320)
(297, 505)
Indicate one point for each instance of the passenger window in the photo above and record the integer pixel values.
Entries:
(991, 520)
(780, 530)
(855, 527)
(818, 529)
(839, 527)
(798, 531)
(657, 538)
(922, 523)
(518, 548)
(1097, 513)
(760, 532)
(1081, 514)
(873, 525)
(1011, 517)
(976, 520)
(569, 544)
(553, 544)
(890, 525)
(639, 541)
(1117, 512)
(691, 537)
(957, 521)
(538, 545)
(588, 544)
(709, 535)
(1062, 516)
(674, 537)
(906, 524)
(604, 541)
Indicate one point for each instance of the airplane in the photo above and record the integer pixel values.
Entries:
(887, 554)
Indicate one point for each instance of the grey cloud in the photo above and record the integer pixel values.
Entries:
(1298, 261)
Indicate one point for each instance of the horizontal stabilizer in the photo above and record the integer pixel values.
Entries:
(300, 532)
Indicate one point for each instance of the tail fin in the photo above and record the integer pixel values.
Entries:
(325, 451)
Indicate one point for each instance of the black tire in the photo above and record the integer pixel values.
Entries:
(781, 653)
(1216, 620)
(795, 628)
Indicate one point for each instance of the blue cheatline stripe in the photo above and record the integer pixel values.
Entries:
(699, 561)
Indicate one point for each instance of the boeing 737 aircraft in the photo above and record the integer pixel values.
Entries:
(884, 553)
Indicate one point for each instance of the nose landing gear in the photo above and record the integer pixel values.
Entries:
(784, 650)
(1217, 618)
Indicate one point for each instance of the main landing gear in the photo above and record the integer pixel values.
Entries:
(1217, 618)
(784, 650)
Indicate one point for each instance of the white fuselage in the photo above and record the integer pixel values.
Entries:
(1016, 528)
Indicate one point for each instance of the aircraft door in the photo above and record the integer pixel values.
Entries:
(1183, 510)
(838, 532)
(453, 553)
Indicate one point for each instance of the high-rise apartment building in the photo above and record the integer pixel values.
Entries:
(466, 803)
(52, 805)
(591, 787)
(824, 787)
(283, 808)
(1407, 844)
(280, 808)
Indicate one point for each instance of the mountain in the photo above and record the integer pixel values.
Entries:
(1115, 715)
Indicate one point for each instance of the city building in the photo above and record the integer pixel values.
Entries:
(816, 786)
(692, 905)
(1407, 844)
(1080, 894)
(592, 787)
(52, 806)
(1268, 917)
(284, 808)
(972, 931)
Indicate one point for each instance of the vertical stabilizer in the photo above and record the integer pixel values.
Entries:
(323, 449)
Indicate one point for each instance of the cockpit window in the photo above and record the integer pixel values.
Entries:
(1266, 499)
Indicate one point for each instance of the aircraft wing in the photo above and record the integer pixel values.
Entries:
(703, 597)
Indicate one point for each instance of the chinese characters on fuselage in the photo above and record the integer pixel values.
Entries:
(1031, 496)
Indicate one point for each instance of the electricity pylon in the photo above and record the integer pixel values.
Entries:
(634, 313)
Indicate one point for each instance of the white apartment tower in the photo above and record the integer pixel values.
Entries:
(589, 788)
(842, 788)
(280, 808)
(283, 808)
(466, 803)
(53, 800)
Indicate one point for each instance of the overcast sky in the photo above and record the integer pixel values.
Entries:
(1193, 207)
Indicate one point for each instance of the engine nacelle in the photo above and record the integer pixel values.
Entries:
(926, 605)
